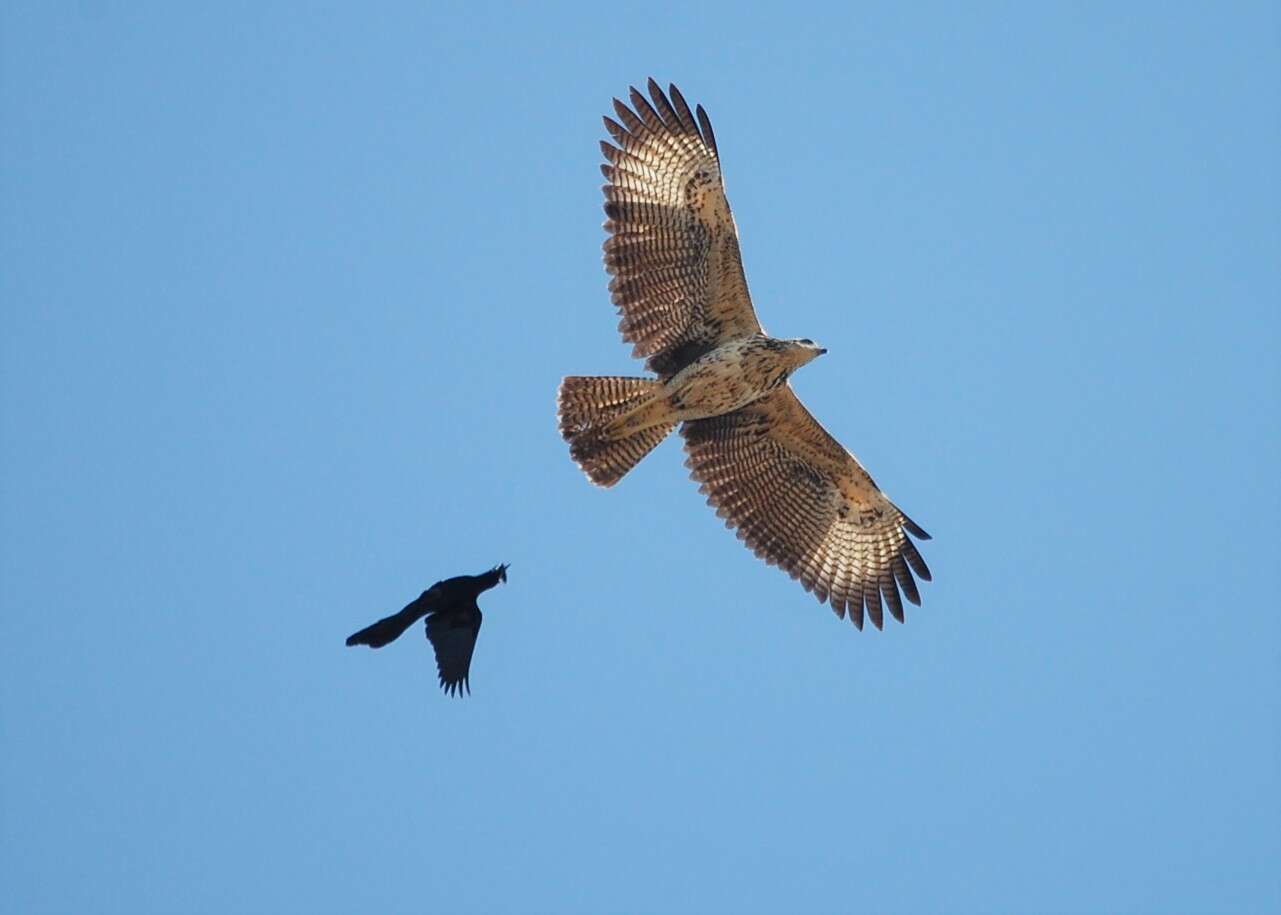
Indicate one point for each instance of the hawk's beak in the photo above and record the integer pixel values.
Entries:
(822, 352)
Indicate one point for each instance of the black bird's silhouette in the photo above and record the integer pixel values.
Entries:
(453, 622)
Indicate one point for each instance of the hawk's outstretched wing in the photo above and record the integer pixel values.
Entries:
(803, 503)
(673, 247)
(453, 636)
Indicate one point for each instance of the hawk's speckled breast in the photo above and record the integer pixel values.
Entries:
(731, 376)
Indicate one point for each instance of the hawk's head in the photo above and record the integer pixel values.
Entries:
(803, 350)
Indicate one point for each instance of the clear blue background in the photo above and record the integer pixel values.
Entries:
(286, 296)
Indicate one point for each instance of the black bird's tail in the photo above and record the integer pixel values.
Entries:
(386, 630)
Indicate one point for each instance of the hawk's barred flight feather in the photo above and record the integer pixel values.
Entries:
(673, 248)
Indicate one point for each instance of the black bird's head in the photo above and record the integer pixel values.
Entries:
(495, 575)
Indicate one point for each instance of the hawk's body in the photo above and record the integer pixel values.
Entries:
(731, 376)
(797, 497)
(736, 373)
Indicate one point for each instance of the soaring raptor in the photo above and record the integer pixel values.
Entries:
(797, 497)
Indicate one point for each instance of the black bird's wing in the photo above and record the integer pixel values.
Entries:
(453, 636)
(390, 628)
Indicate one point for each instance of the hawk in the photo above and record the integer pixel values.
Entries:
(453, 622)
(797, 498)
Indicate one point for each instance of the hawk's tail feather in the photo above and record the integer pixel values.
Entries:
(587, 406)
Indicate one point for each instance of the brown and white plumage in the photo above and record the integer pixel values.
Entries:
(673, 247)
(797, 498)
(804, 503)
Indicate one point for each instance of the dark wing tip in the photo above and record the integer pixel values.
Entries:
(857, 606)
(705, 124)
(683, 113)
(455, 687)
(889, 591)
(915, 529)
(915, 560)
(640, 104)
(615, 129)
(905, 580)
(872, 600)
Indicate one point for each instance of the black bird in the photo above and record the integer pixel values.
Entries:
(453, 622)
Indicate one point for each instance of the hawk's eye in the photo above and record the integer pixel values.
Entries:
(808, 342)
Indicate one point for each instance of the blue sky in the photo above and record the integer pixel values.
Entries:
(285, 301)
